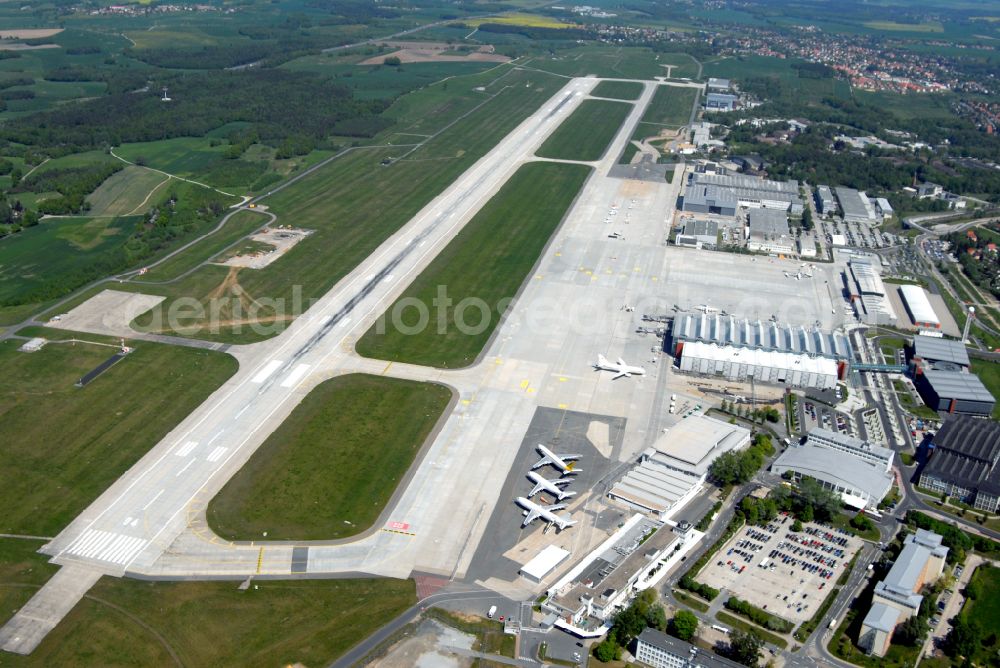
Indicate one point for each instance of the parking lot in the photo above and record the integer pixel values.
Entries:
(812, 415)
(786, 573)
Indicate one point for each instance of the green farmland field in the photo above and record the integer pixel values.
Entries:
(619, 90)
(586, 133)
(126, 622)
(64, 445)
(330, 468)
(488, 261)
(126, 192)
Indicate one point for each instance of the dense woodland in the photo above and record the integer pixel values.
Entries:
(200, 103)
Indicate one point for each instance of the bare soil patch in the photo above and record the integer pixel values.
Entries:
(435, 52)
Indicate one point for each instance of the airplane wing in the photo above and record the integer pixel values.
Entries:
(530, 517)
(542, 462)
(563, 522)
(621, 374)
(536, 489)
(621, 362)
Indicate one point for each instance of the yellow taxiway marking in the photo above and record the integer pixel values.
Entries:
(402, 533)
(525, 384)
(260, 559)
(538, 277)
(466, 402)
(654, 278)
(563, 406)
(558, 254)
(562, 379)
(386, 369)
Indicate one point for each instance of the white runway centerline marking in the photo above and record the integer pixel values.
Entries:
(216, 454)
(268, 369)
(153, 500)
(216, 437)
(296, 375)
(186, 466)
(186, 449)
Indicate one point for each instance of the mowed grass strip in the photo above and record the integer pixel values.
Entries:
(487, 261)
(125, 622)
(330, 468)
(618, 90)
(62, 446)
(585, 135)
(671, 105)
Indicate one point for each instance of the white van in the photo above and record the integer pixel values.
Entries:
(492, 612)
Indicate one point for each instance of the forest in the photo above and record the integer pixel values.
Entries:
(201, 102)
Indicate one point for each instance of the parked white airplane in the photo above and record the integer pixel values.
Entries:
(620, 368)
(543, 484)
(706, 308)
(534, 511)
(561, 462)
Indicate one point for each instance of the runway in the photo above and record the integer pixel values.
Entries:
(150, 522)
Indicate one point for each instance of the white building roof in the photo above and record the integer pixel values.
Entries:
(693, 440)
(763, 358)
(919, 306)
(544, 562)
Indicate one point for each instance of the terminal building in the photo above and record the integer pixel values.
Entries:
(636, 557)
(919, 307)
(898, 597)
(868, 292)
(963, 462)
(722, 193)
(717, 345)
(940, 369)
(856, 206)
(768, 232)
(857, 470)
(657, 649)
(671, 472)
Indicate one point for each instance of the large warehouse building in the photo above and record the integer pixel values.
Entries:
(724, 192)
(672, 471)
(859, 471)
(856, 206)
(769, 232)
(868, 292)
(963, 462)
(941, 374)
(919, 307)
(735, 349)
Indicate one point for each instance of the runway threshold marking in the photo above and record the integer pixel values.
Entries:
(216, 454)
(266, 372)
(296, 375)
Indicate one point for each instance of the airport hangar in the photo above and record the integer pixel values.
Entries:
(768, 352)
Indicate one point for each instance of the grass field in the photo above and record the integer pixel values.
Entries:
(487, 261)
(586, 133)
(238, 226)
(329, 469)
(985, 608)
(355, 203)
(124, 622)
(126, 192)
(63, 446)
(618, 90)
(57, 249)
(892, 26)
(614, 62)
(989, 373)
(671, 105)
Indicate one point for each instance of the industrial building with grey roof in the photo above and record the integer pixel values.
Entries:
(725, 192)
(963, 462)
(856, 206)
(728, 330)
(941, 375)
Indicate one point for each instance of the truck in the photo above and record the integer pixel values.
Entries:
(492, 612)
